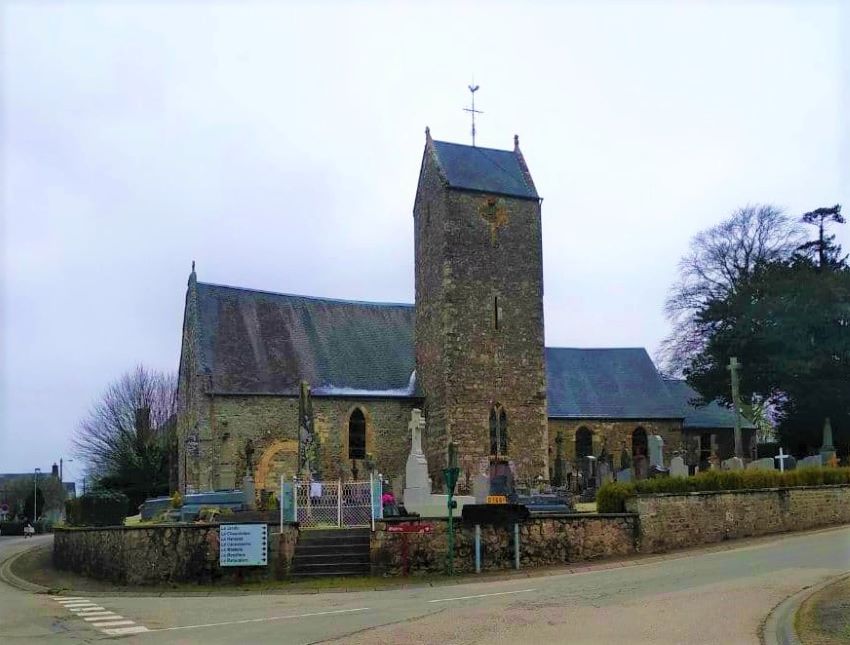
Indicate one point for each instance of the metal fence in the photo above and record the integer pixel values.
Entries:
(330, 504)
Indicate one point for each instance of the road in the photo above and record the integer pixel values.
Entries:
(705, 596)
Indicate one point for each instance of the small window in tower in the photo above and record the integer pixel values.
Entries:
(496, 312)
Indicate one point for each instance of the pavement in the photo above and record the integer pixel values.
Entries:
(702, 596)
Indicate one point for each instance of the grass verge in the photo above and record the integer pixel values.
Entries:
(824, 618)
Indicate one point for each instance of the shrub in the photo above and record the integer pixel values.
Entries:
(97, 508)
(611, 498)
(176, 500)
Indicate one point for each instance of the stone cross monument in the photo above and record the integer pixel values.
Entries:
(733, 368)
(416, 484)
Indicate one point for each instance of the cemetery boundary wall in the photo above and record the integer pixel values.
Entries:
(544, 540)
(163, 554)
(678, 520)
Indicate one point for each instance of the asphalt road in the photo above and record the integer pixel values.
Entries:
(719, 596)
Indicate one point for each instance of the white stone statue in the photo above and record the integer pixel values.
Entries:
(416, 484)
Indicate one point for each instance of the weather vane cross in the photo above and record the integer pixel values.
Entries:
(473, 89)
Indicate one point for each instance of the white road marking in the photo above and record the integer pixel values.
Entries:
(66, 598)
(108, 622)
(484, 595)
(118, 631)
(102, 615)
(260, 620)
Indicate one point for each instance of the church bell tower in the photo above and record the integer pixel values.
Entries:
(479, 309)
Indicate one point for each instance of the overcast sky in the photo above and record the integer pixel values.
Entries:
(278, 145)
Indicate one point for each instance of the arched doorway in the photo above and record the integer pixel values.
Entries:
(640, 450)
(280, 458)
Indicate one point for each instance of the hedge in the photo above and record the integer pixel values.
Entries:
(97, 508)
(611, 497)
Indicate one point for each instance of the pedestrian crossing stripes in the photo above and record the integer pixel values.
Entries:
(106, 621)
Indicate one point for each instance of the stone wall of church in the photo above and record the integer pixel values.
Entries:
(616, 432)
(479, 327)
(271, 423)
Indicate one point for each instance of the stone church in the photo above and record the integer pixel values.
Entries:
(470, 353)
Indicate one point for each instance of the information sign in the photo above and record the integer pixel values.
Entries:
(243, 545)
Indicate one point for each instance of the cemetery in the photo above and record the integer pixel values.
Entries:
(350, 528)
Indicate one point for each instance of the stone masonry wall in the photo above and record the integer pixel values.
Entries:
(479, 322)
(162, 554)
(271, 422)
(673, 521)
(617, 432)
(543, 541)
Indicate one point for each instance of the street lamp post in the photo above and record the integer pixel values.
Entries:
(35, 497)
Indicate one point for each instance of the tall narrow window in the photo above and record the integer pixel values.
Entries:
(584, 443)
(357, 435)
(498, 431)
(496, 312)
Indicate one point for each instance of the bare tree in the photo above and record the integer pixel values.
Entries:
(125, 439)
(718, 260)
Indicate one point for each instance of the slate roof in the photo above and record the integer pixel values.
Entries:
(611, 383)
(255, 342)
(697, 413)
(484, 169)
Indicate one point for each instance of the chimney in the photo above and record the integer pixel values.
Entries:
(55, 470)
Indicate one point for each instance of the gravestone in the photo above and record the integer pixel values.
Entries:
(625, 475)
(762, 464)
(656, 451)
(604, 473)
(733, 463)
(678, 468)
(417, 487)
(827, 450)
(480, 488)
(814, 461)
(502, 480)
(248, 492)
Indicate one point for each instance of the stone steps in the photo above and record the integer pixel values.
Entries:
(332, 552)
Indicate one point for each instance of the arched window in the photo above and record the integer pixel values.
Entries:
(498, 431)
(584, 443)
(640, 447)
(357, 435)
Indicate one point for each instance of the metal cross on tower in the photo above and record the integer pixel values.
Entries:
(473, 89)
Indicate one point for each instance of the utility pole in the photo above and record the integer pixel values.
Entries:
(733, 368)
(35, 496)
